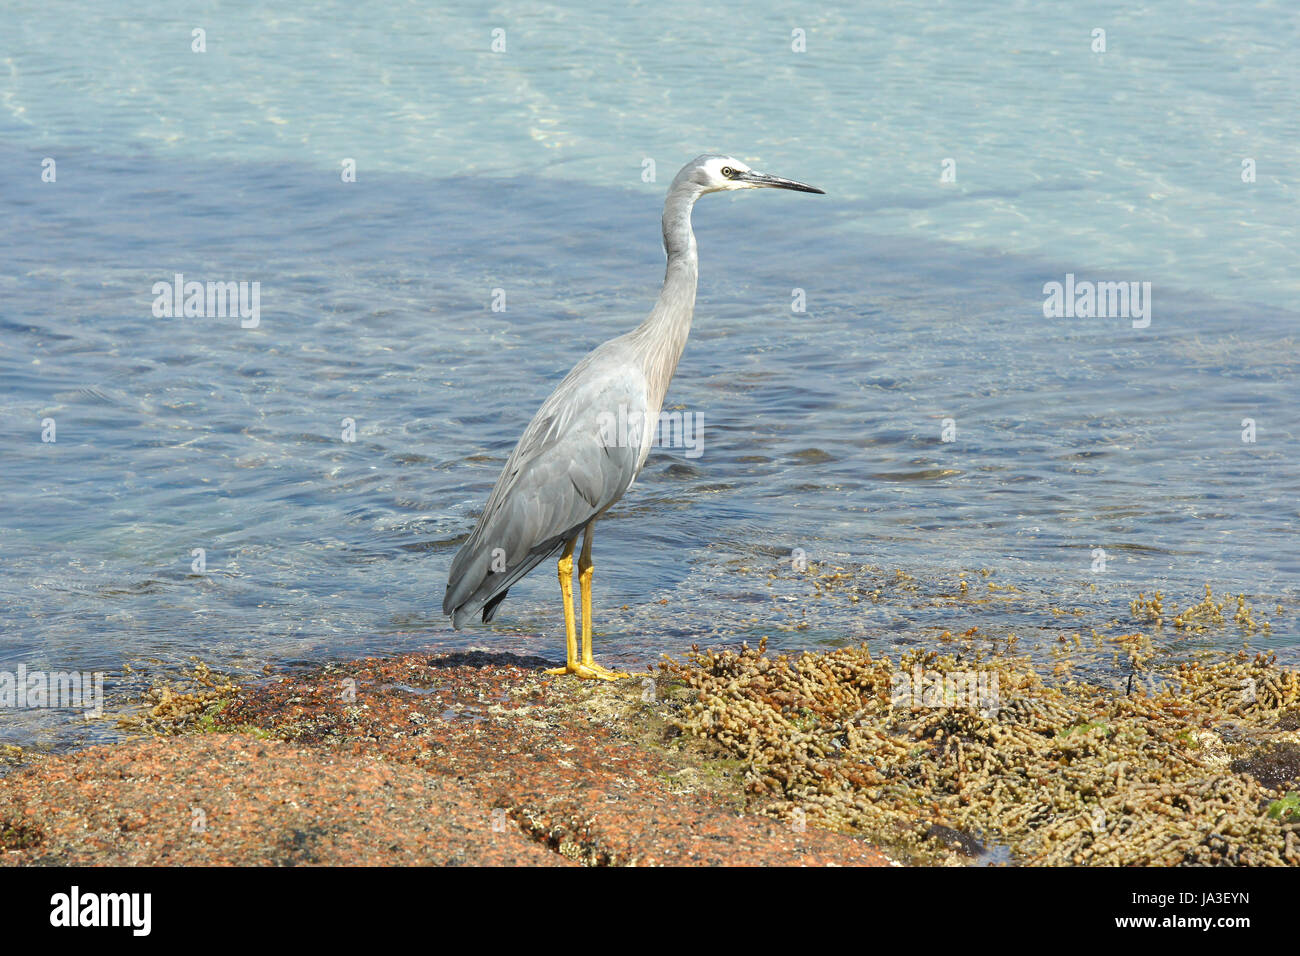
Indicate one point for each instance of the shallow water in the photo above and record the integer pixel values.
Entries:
(522, 171)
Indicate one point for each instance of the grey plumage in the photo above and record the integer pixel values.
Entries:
(565, 472)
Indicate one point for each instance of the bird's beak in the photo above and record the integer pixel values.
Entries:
(755, 178)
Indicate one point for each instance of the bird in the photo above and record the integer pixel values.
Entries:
(569, 466)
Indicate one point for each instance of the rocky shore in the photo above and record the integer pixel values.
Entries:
(467, 759)
(975, 754)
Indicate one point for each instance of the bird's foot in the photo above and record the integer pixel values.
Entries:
(591, 671)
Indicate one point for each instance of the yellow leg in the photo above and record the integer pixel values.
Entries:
(565, 569)
(586, 667)
(585, 567)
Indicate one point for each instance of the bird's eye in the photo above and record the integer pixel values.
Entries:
(728, 171)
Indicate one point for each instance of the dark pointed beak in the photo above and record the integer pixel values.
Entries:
(776, 182)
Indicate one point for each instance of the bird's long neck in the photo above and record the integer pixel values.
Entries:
(661, 338)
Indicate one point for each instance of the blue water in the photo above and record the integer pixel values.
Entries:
(523, 171)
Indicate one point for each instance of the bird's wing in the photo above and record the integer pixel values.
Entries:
(570, 434)
(570, 464)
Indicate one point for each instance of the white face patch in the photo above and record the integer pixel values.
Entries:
(717, 181)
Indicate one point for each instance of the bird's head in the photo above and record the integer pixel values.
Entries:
(713, 173)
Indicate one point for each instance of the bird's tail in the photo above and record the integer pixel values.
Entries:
(474, 585)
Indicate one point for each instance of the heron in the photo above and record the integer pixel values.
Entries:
(567, 469)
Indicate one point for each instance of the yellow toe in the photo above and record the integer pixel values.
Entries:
(591, 671)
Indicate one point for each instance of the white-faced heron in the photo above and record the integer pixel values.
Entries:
(566, 471)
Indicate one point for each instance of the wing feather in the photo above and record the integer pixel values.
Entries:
(562, 473)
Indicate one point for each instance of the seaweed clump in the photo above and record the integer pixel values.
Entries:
(1058, 773)
(1197, 618)
(182, 704)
